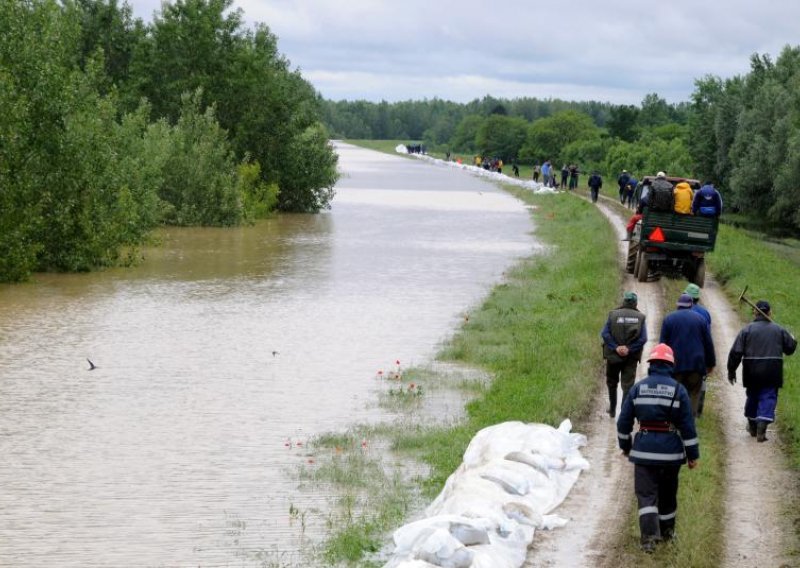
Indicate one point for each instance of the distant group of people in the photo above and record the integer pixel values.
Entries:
(416, 148)
(491, 164)
(549, 175)
(666, 401)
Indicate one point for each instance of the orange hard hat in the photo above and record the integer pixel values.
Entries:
(662, 352)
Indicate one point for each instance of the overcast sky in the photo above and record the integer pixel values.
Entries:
(606, 50)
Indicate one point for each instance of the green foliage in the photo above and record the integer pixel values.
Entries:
(86, 171)
(310, 172)
(501, 136)
(622, 122)
(648, 156)
(466, 133)
(549, 136)
(199, 174)
(590, 154)
(259, 198)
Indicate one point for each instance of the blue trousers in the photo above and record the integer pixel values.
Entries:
(761, 403)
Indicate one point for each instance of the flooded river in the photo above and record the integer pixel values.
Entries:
(218, 353)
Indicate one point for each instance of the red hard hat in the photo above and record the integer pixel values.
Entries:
(662, 352)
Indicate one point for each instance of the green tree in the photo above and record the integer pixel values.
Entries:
(548, 137)
(200, 172)
(465, 135)
(501, 136)
(312, 165)
(622, 122)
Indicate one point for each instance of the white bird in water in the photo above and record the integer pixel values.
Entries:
(92, 366)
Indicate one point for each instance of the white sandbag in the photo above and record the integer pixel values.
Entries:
(512, 477)
(440, 548)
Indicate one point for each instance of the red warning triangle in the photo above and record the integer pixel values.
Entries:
(657, 235)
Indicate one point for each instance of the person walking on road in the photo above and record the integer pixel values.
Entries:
(760, 347)
(689, 336)
(666, 439)
(595, 183)
(624, 337)
(693, 290)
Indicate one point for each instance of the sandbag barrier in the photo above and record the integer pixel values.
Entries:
(536, 187)
(513, 475)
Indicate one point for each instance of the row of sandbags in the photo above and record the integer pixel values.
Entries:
(526, 183)
(512, 477)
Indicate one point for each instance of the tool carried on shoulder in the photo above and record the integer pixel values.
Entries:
(743, 298)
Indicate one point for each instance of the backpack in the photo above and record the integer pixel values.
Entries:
(660, 197)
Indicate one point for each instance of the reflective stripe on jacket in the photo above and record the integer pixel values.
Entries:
(760, 347)
(658, 398)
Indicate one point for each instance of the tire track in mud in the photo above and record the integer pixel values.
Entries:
(602, 495)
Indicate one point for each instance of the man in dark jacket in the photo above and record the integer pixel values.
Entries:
(622, 181)
(595, 183)
(760, 347)
(689, 336)
(666, 440)
(624, 337)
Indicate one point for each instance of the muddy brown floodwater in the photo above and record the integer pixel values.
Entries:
(217, 355)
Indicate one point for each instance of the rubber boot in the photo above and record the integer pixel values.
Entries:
(761, 431)
(751, 427)
(612, 401)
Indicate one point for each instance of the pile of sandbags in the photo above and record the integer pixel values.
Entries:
(513, 475)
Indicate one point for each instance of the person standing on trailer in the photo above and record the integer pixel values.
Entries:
(760, 348)
(665, 441)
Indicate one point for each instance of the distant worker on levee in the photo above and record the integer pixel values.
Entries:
(707, 201)
(760, 348)
(624, 337)
(665, 441)
(595, 183)
(683, 196)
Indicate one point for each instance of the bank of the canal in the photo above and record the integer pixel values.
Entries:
(536, 335)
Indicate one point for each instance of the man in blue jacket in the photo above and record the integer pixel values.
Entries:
(666, 440)
(760, 347)
(707, 201)
(689, 336)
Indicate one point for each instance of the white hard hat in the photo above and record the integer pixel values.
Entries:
(661, 175)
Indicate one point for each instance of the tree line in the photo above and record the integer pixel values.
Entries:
(741, 133)
(111, 126)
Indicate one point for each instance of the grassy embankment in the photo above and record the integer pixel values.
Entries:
(489, 341)
(537, 334)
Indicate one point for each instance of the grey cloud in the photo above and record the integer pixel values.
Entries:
(622, 49)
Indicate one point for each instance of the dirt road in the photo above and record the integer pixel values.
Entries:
(757, 534)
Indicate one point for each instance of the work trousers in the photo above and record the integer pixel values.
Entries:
(693, 381)
(760, 404)
(656, 489)
(624, 372)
